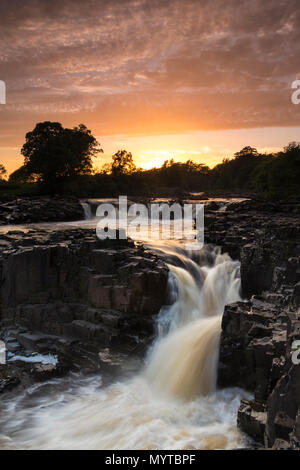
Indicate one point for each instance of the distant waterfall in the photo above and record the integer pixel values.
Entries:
(87, 210)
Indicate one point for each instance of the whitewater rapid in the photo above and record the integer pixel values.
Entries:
(172, 402)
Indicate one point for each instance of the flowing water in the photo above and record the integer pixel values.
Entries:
(172, 402)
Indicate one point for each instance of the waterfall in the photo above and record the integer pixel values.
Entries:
(87, 210)
(172, 403)
(183, 361)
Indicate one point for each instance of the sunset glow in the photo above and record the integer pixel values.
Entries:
(209, 147)
(161, 79)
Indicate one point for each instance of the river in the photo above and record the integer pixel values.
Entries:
(171, 401)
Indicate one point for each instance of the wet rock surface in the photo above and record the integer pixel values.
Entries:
(75, 299)
(257, 335)
(21, 210)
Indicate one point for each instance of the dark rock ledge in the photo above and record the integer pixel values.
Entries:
(79, 299)
(33, 209)
(255, 350)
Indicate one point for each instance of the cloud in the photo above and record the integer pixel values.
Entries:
(141, 66)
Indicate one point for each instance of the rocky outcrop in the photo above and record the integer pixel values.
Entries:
(71, 295)
(21, 210)
(257, 335)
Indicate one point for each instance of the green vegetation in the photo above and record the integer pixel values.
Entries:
(59, 160)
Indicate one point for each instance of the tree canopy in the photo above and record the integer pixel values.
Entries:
(247, 151)
(54, 153)
(61, 159)
(123, 163)
(3, 172)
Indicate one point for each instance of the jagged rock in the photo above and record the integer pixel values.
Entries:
(7, 381)
(256, 339)
(283, 404)
(256, 269)
(252, 420)
(296, 295)
(39, 209)
(70, 294)
(280, 444)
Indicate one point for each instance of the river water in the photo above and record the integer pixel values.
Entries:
(171, 401)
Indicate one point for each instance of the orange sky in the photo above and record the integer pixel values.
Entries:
(160, 78)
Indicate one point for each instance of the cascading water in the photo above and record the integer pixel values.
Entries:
(87, 210)
(183, 362)
(172, 403)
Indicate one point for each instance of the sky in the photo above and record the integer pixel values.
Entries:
(182, 79)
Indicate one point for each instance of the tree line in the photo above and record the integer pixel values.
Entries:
(59, 160)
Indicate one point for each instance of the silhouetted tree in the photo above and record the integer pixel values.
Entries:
(279, 175)
(22, 175)
(3, 172)
(247, 152)
(105, 169)
(193, 167)
(55, 153)
(235, 174)
(123, 163)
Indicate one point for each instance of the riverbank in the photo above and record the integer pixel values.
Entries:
(41, 209)
(257, 336)
(37, 209)
(65, 294)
